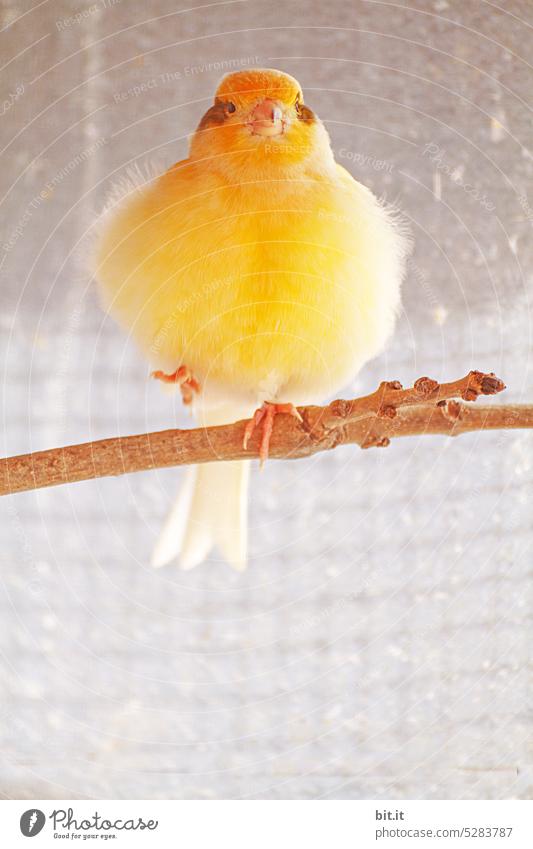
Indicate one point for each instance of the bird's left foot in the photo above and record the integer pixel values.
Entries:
(265, 416)
(184, 377)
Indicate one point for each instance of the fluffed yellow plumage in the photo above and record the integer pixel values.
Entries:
(261, 265)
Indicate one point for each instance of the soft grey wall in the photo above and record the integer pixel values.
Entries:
(378, 645)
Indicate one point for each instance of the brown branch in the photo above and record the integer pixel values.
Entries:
(373, 420)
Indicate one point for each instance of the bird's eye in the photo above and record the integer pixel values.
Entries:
(230, 107)
(297, 105)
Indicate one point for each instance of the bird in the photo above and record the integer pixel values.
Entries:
(256, 275)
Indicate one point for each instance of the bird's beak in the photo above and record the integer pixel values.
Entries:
(267, 118)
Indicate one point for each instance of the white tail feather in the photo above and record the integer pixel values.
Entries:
(168, 545)
(211, 510)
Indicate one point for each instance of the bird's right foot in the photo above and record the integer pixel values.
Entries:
(264, 417)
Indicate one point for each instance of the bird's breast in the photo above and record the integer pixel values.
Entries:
(266, 279)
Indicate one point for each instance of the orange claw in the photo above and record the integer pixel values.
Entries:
(184, 377)
(265, 415)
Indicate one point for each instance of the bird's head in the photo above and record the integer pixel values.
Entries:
(259, 119)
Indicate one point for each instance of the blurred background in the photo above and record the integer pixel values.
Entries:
(379, 644)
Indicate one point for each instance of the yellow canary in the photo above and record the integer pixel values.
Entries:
(256, 270)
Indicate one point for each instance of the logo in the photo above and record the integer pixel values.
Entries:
(64, 824)
(32, 822)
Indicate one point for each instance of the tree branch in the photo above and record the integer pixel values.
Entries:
(373, 420)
